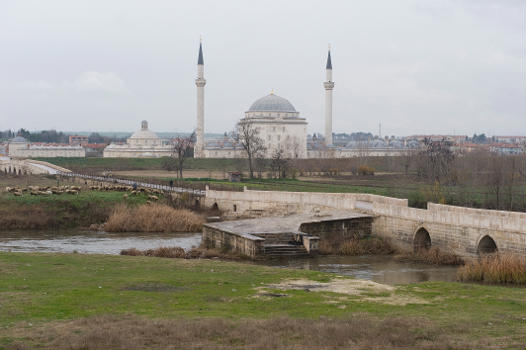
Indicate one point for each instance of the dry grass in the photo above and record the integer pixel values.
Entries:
(132, 252)
(355, 246)
(358, 331)
(495, 268)
(178, 252)
(166, 252)
(153, 218)
(433, 256)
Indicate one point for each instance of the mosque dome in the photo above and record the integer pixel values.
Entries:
(272, 103)
(144, 133)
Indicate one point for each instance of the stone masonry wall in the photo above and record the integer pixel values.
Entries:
(248, 245)
(453, 228)
(339, 229)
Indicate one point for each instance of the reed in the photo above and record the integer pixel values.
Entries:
(357, 246)
(433, 256)
(504, 268)
(153, 218)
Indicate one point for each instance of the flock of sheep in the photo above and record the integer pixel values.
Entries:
(151, 192)
(43, 190)
(57, 190)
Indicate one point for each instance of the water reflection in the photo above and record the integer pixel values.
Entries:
(378, 268)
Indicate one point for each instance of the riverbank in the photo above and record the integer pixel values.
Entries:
(44, 212)
(89, 301)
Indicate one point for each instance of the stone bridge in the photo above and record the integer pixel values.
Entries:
(29, 166)
(464, 231)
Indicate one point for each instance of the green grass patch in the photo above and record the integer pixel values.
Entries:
(116, 164)
(44, 287)
(60, 211)
(45, 290)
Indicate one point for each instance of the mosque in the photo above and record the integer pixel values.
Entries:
(278, 124)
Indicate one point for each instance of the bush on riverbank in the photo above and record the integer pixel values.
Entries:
(433, 256)
(178, 252)
(495, 268)
(153, 218)
(29, 212)
(371, 245)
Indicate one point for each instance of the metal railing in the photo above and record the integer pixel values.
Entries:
(138, 183)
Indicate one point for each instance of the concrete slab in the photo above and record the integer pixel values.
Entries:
(280, 224)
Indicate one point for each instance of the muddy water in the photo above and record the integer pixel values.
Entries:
(379, 268)
(382, 269)
(93, 242)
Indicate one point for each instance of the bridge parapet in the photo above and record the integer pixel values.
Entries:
(456, 229)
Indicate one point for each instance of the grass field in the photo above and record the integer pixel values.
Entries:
(100, 164)
(85, 301)
(394, 184)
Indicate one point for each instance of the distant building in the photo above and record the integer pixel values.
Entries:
(506, 148)
(144, 143)
(3, 149)
(19, 147)
(78, 140)
(510, 139)
(94, 149)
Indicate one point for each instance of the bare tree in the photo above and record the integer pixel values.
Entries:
(279, 163)
(407, 158)
(292, 146)
(247, 135)
(436, 160)
(496, 177)
(182, 147)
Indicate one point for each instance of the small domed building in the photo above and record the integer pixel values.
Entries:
(143, 143)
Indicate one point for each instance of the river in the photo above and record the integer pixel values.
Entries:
(378, 268)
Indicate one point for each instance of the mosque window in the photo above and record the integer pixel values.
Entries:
(273, 128)
(279, 137)
(269, 137)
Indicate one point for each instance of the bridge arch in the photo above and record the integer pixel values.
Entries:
(487, 245)
(421, 239)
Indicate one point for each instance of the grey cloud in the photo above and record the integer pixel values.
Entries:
(414, 66)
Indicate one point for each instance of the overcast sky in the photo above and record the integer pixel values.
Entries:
(417, 67)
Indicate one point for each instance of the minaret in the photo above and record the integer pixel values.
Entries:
(200, 82)
(329, 85)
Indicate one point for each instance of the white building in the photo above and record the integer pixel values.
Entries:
(19, 147)
(144, 143)
(278, 124)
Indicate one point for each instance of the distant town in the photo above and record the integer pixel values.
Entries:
(52, 143)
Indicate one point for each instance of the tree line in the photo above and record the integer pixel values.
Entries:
(53, 136)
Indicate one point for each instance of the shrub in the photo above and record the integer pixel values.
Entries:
(153, 218)
(495, 268)
(365, 170)
(166, 252)
(433, 256)
(180, 253)
(132, 252)
(355, 246)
